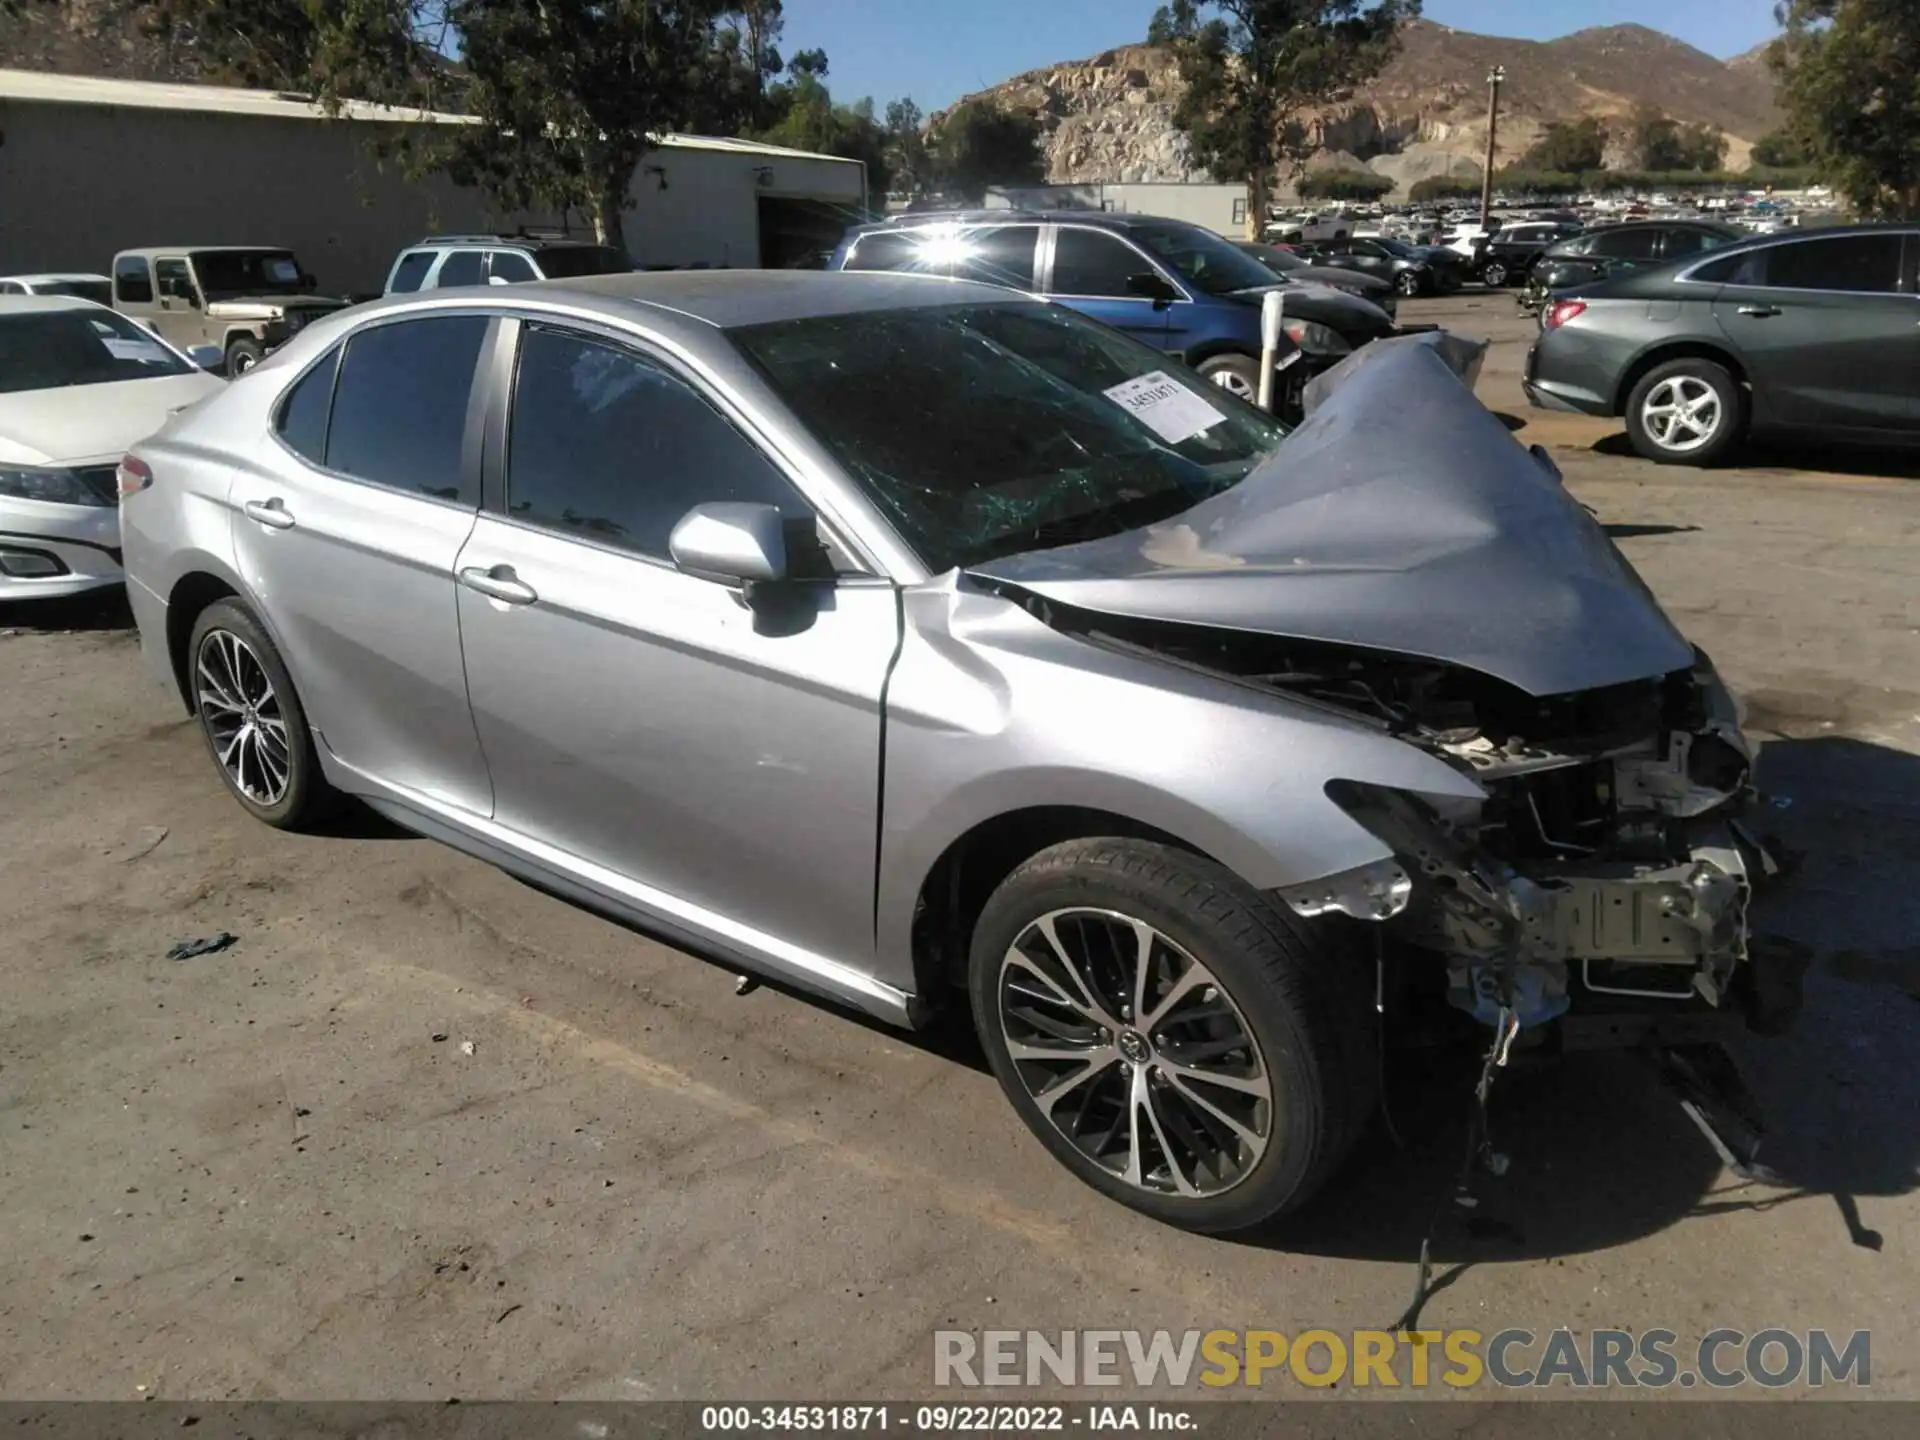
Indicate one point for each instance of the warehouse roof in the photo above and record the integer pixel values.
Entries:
(37, 85)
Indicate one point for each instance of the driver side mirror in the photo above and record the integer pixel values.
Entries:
(1157, 288)
(732, 541)
(178, 288)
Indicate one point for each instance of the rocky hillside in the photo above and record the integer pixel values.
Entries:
(82, 38)
(1110, 118)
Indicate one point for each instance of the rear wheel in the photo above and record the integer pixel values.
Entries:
(1407, 282)
(254, 725)
(1172, 1038)
(1686, 412)
(1495, 275)
(1236, 374)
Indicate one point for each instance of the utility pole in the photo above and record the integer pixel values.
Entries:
(1496, 77)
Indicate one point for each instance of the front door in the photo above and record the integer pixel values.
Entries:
(1826, 335)
(347, 533)
(1091, 271)
(718, 761)
(182, 313)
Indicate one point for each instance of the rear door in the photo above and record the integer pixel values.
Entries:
(1827, 333)
(999, 255)
(347, 531)
(1089, 270)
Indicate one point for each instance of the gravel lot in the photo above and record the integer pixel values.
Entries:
(425, 1132)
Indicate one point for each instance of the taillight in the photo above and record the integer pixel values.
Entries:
(134, 475)
(1561, 311)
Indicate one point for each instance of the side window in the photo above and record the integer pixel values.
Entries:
(303, 414)
(1745, 267)
(607, 446)
(1002, 256)
(410, 272)
(512, 267)
(12, 287)
(1864, 264)
(400, 406)
(1367, 248)
(462, 267)
(1092, 262)
(173, 279)
(1626, 244)
(887, 250)
(132, 282)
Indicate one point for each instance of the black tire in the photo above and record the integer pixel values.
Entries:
(1677, 378)
(306, 798)
(1495, 275)
(1237, 374)
(1305, 1003)
(243, 355)
(1409, 284)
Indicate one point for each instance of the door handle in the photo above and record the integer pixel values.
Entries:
(499, 583)
(1760, 312)
(271, 513)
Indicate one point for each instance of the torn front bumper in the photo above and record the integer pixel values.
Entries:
(1618, 949)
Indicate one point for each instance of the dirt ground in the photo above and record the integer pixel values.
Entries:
(425, 1132)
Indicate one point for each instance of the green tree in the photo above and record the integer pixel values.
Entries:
(908, 159)
(980, 143)
(1344, 185)
(1779, 150)
(1849, 73)
(808, 119)
(1568, 145)
(1444, 187)
(1256, 72)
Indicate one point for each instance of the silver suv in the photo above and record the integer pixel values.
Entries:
(440, 261)
(908, 639)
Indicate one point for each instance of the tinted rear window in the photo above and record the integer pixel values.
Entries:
(400, 405)
(411, 270)
(565, 262)
(132, 281)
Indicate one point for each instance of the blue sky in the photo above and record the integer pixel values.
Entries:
(938, 50)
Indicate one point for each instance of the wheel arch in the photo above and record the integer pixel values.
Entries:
(189, 598)
(1212, 349)
(1659, 354)
(950, 895)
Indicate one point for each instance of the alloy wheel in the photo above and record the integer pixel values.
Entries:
(1682, 413)
(1235, 384)
(1135, 1053)
(241, 711)
(1495, 276)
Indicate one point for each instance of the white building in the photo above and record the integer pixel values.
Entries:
(1220, 208)
(89, 167)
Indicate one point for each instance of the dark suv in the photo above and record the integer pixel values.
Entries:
(1177, 287)
(1616, 249)
(1511, 250)
(1812, 331)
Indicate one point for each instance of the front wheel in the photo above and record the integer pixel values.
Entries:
(1408, 283)
(1686, 412)
(243, 355)
(1495, 275)
(1236, 374)
(1173, 1039)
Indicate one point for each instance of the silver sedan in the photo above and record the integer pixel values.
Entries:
(914, 643)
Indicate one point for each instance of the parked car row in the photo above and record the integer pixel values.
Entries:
(924, 644)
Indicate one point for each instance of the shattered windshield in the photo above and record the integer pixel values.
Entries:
(987, 430)
(1201, 258)
(230, 274)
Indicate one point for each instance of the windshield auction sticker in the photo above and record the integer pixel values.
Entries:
(1165, 406)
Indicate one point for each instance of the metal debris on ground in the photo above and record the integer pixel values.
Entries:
(745, 984)
(202, 945)
(146, 844)
(466, 1047)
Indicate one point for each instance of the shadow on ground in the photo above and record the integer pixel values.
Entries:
(1795, 458)
(97, 610)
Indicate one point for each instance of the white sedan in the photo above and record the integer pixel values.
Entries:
(86, 287)
(79, 385)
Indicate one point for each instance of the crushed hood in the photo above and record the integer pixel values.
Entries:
(1400, 517)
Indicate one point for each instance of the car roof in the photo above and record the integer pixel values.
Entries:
(53, 276)
(1101, 219)
(723, 299)
(149, 251)
(508, 242)
(31, 304)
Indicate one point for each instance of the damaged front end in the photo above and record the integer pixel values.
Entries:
(1605, 878)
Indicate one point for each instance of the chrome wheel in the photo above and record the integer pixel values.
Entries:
(1495, 275)
(1135, 1053)
(1235, 384)
(1682, 413)
(238, 706)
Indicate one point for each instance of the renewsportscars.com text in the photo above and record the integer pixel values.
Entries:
(1513, 1359)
